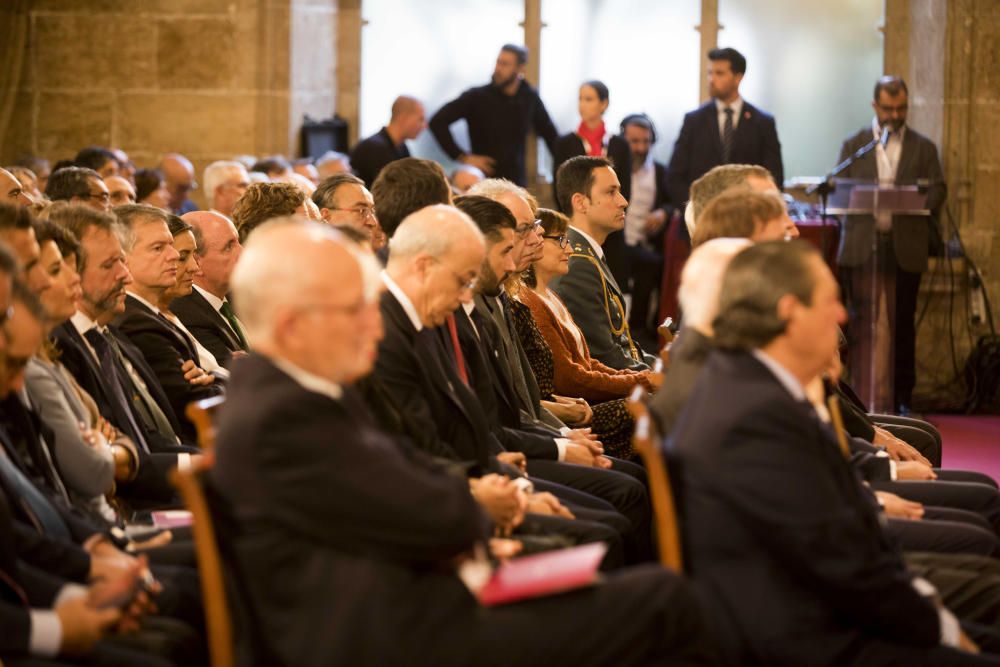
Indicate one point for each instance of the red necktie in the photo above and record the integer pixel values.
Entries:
(459, 359)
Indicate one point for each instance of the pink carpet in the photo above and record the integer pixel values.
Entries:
(970, 442)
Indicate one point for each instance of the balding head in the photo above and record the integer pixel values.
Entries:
(282, 291)
(408, 118)
(435, 257)
(179, 176)
(701, 281)
(218, 250)
(719, 179)
(11, 191)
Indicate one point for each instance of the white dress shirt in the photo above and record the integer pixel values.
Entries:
(720, 111)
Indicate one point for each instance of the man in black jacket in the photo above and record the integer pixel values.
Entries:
(724, 130)
(500, 115)
(816, 581)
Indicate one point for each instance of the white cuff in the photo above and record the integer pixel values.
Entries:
(893, 474)
(46, 633)
(565, 430)
(524, 484)
(561, 444)
(184, 462)
(69, 592)
(951, 631)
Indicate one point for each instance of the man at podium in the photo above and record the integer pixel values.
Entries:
(900, 157)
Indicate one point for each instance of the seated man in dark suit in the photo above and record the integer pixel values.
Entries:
(152, 261)
(297, 450)
(206, 312)
(816, 581)
(590, 194)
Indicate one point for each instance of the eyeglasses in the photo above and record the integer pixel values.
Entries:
(469, 285)
(528, 228)
(563, 240)
(102, 197)
(900, 109)
(363, 212)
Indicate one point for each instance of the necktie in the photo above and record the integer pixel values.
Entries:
(117, 380)
(38, 505)
(147, 404)
(727, 135)
(227, 312)
(457, 349)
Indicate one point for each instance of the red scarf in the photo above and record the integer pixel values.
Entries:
(594, 138)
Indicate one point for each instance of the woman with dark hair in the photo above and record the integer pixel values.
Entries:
(592, 138)
(557, 349)
(187, 268)
(151, 188)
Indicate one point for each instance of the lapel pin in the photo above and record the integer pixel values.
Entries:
(746, 114)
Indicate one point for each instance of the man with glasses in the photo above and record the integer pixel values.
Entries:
(343, 199)
(79, 185)
(225, 182)
(907, 158)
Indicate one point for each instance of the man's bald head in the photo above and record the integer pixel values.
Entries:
(408, 118)
(282, 291)
(433, 230)
(218, 249)
(701, 280)
(178, 172)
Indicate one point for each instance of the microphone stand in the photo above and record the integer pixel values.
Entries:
(827, 186)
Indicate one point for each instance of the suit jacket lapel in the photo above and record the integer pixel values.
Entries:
(713, 133)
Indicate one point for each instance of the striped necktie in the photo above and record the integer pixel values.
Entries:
(727, 135)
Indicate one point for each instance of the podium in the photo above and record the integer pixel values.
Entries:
(867, 271)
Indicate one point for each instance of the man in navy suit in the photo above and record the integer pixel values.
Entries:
(724, 130)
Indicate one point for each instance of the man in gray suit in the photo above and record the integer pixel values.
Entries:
(907, 158)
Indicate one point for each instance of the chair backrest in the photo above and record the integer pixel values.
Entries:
(213, 585)
(646, 442)
(202, 414)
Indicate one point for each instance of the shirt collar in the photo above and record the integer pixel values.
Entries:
(782, 374)
(736, 106)
(877, 130)
(143, 302)
(309, 381)
(593, 243)
(404, 301)
(82, 323)
(213, 300)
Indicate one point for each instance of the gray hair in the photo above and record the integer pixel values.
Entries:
(754, 283)
(216, 173)
(130, 215)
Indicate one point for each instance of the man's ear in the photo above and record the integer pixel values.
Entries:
(787, 306)
(422, 264)
(580, 202)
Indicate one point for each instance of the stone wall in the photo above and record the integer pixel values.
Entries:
(207, 78)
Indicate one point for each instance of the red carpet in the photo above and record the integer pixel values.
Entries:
(970, 442)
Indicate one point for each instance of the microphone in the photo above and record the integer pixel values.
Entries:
(885, 136)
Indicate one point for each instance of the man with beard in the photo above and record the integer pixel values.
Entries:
(499, 115)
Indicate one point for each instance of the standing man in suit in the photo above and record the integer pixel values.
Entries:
(206, 311)
(589, 189)
(816, 581)
(408, 120)
(724, 130)
(904, 241)
(500, 115)
(645, 222)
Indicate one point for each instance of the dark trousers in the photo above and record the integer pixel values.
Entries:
(981, 499)
(907, 288)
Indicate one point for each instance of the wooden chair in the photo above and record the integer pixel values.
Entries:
(213, 585)
(202, 413)
(646, 442)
